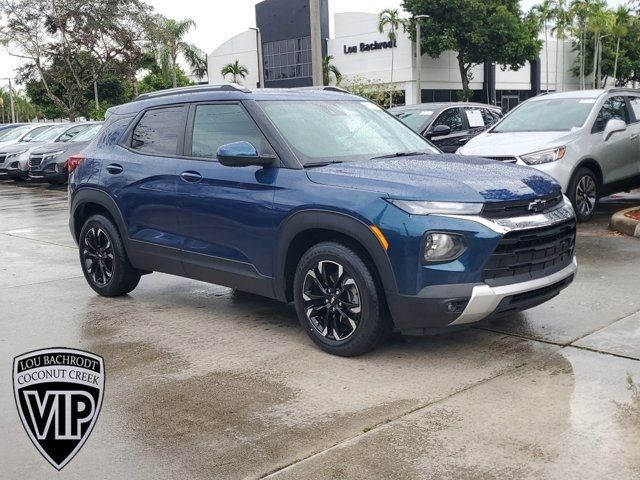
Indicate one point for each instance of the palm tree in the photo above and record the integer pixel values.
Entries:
(327, 69)
(544, 11)
(598, 21)
(197, 60)
(580, 10)
(390, 17)
(563, 20)
(622, 21)
(171, 34)
(236, 70)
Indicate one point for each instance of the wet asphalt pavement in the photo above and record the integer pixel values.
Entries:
(203, 383)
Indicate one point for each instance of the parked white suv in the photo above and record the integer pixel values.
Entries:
(588, 140)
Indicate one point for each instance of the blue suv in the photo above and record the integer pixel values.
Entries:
(321, 198)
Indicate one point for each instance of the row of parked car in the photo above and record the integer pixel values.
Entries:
(588, 140)
(41, 151)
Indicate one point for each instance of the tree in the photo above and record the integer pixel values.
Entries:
(236, 70)
(622, 20)
(580, 10)
(479, 30)
(328, 69)
(198, 62)
(563, 20)
(170, 34)
(68, 44)
(544, 13)
(390, 18)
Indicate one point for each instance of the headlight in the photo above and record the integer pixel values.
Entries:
(15, 154)
(419, 207)
(441, 247)
(49, 156)
(544, 156)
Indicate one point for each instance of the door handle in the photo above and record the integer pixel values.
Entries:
(634, 136)
(114, 168)
(463, 140)
(191, 177)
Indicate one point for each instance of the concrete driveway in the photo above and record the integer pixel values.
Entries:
(203, 383)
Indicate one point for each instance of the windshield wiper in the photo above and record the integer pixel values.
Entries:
(320, 164)
(399, 154)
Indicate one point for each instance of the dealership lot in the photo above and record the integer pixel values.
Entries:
(202, 382)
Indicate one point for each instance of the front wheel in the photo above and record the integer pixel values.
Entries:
(337, 301)
(103, 258)
(584, 192)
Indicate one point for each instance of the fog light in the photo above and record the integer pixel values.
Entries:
(441, 247)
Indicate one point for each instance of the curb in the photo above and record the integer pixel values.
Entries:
(624, 224)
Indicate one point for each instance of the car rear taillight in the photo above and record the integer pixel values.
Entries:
(74, 161)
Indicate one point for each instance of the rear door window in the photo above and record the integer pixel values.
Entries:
(159, 131)
(635, 107)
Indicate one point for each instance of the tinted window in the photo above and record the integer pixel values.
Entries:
(159, 130)
(490, 116)
(414, 119)
(635, 107)
(613, 108)
(451, 118)
(217, 125)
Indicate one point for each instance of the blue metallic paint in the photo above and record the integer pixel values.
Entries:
(240, 214)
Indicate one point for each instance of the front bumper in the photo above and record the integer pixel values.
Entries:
(486, 300)
(445, 306)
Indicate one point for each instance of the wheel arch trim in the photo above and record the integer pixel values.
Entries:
(340, 223)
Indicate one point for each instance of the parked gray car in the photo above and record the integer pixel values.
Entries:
(48, 163)
(17, 164)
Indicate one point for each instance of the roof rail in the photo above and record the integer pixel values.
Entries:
(330, 88)
(622, 89)
(222, 87)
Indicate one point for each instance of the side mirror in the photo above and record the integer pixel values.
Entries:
(614, 125)
(65, 138)
(439, 131)
(242, 154)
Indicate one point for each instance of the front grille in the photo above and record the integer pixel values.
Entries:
(524, 255)
(503, 158)
(518, 208)
(2, 158)
(35, 160)
(533, 298)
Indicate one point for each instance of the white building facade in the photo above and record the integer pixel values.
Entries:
(363, 54)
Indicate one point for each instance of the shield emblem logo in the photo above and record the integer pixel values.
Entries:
(58, 392)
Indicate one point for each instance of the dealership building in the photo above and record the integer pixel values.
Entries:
(362, 53)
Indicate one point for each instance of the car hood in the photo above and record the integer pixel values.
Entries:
(514, 143)
(439, 178)
(17, 147)
(51, 147)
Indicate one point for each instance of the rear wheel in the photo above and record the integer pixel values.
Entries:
(584, 194)
(337, 301)
(103, 258)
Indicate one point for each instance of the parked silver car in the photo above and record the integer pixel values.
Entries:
(48, 163)
(16, 162)
(588, 140)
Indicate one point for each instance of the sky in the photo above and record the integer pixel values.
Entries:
(218, 20)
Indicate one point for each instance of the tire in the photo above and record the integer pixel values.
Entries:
(104, 260)
(584, 193)
(345, 317)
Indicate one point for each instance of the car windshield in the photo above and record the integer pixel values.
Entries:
(16, 133)
(414, 119)
(50, 134)
(342, 131)
(31, 136)
(550, 115)
(88, 134)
